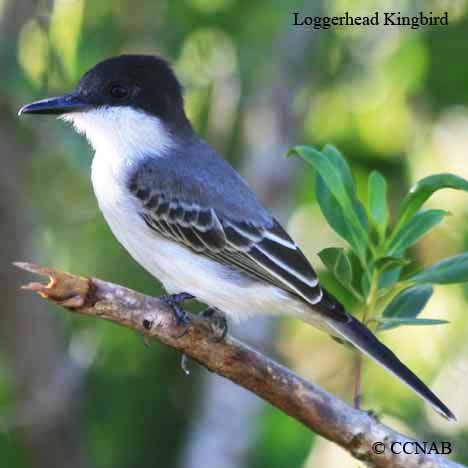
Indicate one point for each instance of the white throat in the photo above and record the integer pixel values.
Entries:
(122, 132)
(122, 138)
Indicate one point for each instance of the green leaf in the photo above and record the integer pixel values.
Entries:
(365, 284)
(448, 271)
(335, 177)
(357, 269)
(336, 195)
(389, 277)
(422, 190)
(409, 303)
(390, 269)
(389, 323)
(419, 225)
(389, 262)
(341, 164)
(333, 212)
(377, 200)
(336, 218)
(337, 262)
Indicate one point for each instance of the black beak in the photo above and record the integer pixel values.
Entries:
(56, 105)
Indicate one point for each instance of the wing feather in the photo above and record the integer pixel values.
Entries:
(263, 251)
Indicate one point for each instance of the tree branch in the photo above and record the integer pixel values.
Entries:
(356, 431)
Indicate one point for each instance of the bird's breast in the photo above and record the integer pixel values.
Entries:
(109, 175)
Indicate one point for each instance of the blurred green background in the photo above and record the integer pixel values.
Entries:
(79, 393)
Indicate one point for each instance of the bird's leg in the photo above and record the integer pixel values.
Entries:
(218, 322)
(219, 326)
(173, 301)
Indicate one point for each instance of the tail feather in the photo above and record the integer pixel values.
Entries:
(362, 338)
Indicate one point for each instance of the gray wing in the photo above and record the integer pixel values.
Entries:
(194, 197)
(264, 251)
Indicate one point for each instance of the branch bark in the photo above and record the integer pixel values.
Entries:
(356, 431)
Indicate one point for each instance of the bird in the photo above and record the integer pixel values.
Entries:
(185, 214)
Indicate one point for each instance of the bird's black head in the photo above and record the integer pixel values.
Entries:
(142, 82)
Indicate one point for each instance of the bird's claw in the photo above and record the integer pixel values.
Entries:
(182, 318)
(218, 323)
(219, 326)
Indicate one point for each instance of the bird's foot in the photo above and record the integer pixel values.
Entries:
(219, 326)
(218, 323)
(182, 318)
(173, 301)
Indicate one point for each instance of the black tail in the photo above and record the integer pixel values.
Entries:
(360, 336)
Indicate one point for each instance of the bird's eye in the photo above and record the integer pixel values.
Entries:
(118, 91)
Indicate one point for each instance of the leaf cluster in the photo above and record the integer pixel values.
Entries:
(375, 270)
